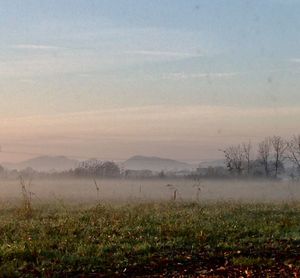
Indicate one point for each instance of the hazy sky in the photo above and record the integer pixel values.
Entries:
(173, 78)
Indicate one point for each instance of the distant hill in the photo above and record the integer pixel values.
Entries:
(45, 163)
(61, 163)
(212, 163)
(155, 164)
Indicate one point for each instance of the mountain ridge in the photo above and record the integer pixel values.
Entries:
(136, 162)
(154, 163)
(44, 163)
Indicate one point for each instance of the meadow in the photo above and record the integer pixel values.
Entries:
(207, 237)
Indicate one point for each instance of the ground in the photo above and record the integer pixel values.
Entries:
(174, 239)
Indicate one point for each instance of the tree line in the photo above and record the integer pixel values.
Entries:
(89, 168)
(97, 168)
(267, 159)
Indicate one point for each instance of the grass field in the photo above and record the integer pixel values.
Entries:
(168, 238)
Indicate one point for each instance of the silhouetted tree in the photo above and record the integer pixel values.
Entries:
(234, 157)
(279, 147)
(110, 169)
(96, 168)
(161, 174)
(264, 152)
(2, 171)
(293, 149)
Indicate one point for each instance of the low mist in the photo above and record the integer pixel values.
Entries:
(142, 190)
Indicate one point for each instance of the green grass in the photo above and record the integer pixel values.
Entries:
(155, 238)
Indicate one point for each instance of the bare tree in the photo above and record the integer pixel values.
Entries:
(279, 147)
(97, 168)
(234, 157)
(247, 147)
(264, 152)
(293, 148)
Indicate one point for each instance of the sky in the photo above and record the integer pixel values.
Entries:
(170, 78)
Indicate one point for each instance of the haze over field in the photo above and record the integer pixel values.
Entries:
(149, 138)
(176, 79)
(83, 191)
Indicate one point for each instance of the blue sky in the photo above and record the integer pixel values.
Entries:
(70, 57)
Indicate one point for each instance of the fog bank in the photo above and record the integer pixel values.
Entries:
(112, 190)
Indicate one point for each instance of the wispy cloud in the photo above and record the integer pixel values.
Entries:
(295, 60)
(185, 76)
(167, 54)
(36, 47)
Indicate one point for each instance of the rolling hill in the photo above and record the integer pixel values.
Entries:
(155, 164)
(44, 163)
